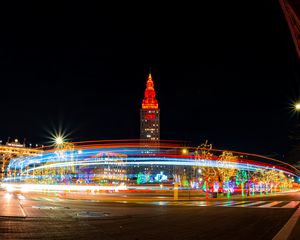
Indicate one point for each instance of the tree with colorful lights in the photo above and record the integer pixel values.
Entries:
(271, 177)
(227, 170)
(259, 176)
(251, 182)
(241, 178)
(203, 152)
(225, 175)
(209, 175)
(280, 178)
(140, 178)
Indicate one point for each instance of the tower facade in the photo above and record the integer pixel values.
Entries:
(149, 116)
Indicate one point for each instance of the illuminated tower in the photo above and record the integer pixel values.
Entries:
(149, 116)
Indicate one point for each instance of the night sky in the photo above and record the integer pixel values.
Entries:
(226, 72)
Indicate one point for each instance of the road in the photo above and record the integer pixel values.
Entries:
(40, 216)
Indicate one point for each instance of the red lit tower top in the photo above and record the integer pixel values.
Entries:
(149, 116)
(150, 101)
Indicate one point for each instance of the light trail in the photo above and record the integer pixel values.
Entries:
(48, 187)
(127, 163)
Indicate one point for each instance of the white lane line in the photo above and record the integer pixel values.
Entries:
(286, 231)
(270, 204)
(21, 208)
(291, 204)
(21, 197)
(251, 204)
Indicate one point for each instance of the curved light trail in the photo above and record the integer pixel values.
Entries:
(125, 163)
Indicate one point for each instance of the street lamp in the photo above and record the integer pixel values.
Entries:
(59, 140)
(297, 106)
(184, 151)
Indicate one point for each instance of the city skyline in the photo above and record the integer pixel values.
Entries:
(146, 120)
(234, 91)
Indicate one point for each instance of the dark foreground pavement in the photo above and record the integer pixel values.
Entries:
(48, 218)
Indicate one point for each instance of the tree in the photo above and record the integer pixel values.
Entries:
(140, 178)
(209, 174)
(227, 169)
(203, 152)
(240, 179)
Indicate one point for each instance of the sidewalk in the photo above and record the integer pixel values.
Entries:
(10, 206)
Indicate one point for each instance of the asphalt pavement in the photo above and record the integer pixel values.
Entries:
(50, 216)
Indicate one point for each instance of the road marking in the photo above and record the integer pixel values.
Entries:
(231, 203)
(291, 204)
(204, 204)
(238, 203)
(271, 204)
(225, 204)
(22, 210)
(250, 204)
(21, 197)
(21, 207)
(286, 231)
(242, 204)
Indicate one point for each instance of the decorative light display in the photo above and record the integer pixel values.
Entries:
(216, 186)
(161, 177)
(116, 164)
(241, 178)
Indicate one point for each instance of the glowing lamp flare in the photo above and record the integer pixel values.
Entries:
(184, 151)
(59, 140)
(297, 106)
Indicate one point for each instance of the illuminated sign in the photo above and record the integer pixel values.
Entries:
(149, 116)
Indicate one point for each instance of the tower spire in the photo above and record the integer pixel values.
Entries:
(150, 101)
(149, 121)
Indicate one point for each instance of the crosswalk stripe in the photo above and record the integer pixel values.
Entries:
(242, 204)
(271, 204)
(230, 203)
(205, 204)
(291, 204)
(251, 204)
(238, 203)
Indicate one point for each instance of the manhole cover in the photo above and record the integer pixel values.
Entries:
(92, 214)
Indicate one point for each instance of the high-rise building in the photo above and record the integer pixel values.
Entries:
(149, 116)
